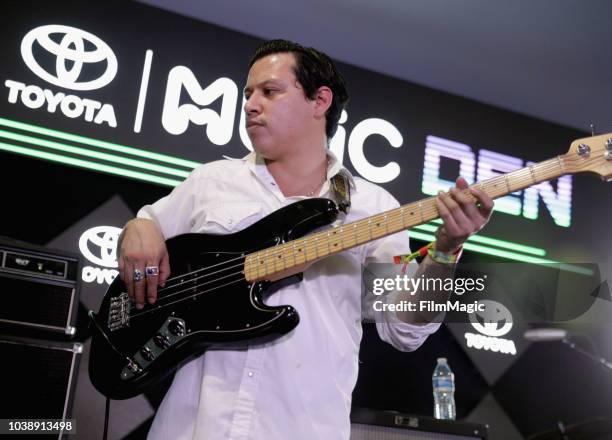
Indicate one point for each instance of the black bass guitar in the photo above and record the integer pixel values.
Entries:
(214, 296)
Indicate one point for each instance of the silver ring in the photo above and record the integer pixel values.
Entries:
(138, 275)
(152, 271)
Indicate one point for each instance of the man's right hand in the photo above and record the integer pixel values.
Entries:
(142, 245)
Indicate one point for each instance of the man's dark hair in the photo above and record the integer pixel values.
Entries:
(313, 69)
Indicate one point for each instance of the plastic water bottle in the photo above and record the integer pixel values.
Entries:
(443, 390)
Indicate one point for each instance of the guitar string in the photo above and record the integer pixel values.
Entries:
(278, 250)
(156, 308)
(555, 164)
(164, 297)
(325, 235)
(206, 291)
(273, 252)
(170, 294)
(191, 279)
(181, 276)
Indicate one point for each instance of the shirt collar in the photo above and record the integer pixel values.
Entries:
(255, 161)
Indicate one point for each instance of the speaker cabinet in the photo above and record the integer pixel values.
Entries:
(39, 289)
(369, 424)
(38, 378)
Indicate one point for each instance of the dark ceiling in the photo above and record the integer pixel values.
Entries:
(549, 59)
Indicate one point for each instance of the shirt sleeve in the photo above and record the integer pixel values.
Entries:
(175, 212)
(379, 263)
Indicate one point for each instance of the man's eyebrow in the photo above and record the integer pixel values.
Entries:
(262, 84)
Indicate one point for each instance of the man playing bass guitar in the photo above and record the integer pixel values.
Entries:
(297, 386)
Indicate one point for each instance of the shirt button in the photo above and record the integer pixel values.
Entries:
(250, 374)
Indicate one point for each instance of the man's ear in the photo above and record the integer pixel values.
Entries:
(323, 100)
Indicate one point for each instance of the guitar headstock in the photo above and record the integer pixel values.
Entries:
(592, 155)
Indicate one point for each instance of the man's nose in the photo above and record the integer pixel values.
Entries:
(252, 105)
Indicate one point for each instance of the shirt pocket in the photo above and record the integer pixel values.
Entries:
(229, 217)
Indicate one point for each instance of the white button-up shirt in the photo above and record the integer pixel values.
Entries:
(298, 386)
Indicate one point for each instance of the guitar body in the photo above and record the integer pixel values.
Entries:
(207, 303)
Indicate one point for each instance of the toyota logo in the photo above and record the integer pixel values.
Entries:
(73, 49)
(103, 240)
(495, 320)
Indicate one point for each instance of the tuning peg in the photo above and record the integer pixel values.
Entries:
(592, 129)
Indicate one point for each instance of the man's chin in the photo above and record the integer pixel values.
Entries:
(263, 151)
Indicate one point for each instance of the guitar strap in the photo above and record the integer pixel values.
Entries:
(342, 192)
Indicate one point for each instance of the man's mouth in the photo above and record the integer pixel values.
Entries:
(250, 124)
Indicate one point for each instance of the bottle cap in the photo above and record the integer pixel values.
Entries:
(441, 359)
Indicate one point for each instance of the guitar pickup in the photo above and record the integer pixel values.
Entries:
(162, 341)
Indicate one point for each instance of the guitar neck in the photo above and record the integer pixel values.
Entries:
(274, 262)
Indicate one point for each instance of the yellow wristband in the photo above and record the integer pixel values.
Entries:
(442, 257)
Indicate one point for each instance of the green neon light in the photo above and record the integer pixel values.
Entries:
(97, 143)
(509, 255)
(95, 154)
(89, 165)
(492, 241)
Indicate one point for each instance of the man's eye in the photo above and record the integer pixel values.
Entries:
(269, 91)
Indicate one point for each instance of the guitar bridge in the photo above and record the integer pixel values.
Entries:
(119, 312)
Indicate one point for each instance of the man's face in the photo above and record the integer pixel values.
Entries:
(278, 115)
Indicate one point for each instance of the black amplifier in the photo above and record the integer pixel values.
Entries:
(367, 424)
(38, 378)
(39, 288)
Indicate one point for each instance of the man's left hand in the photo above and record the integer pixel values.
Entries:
(462, 216)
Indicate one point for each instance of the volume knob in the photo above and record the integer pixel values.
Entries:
(162, 341)
(146, 353)
(176, 327)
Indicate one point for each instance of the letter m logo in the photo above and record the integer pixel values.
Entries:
(176, 116)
